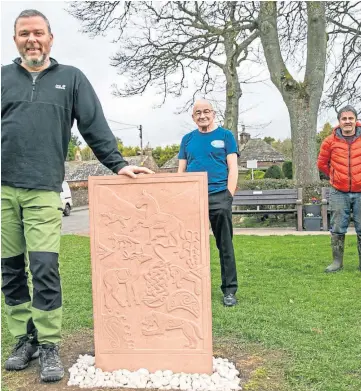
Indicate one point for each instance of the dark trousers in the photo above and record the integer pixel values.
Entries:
(220, 216)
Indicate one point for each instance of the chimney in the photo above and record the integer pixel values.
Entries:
(243, 136)
(148, 150)
(78, 155)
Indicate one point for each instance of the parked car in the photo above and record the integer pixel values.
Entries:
(66, 199)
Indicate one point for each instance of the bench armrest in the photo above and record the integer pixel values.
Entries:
(298, 202)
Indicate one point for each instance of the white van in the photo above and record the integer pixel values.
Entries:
(66, 199)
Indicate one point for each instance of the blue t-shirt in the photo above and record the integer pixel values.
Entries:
(208, 152)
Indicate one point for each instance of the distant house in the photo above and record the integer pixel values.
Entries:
(171, 165)
(249, 149)
(257, 149)
(77, 172)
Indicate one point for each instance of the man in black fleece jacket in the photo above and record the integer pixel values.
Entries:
(40, 100)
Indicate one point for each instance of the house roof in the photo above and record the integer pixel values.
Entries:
(254, 149)
(257, 149)
(80, 171)
(171, 163)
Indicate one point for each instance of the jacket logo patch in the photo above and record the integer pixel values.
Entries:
(60, 86)
(217, 143)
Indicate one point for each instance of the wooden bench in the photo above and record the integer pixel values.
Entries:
(325, 209)
(260, 198)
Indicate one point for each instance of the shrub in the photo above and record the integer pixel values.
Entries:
(287, 169)
(323, 176)
(267, 184)
(257, 174)
(274, 172)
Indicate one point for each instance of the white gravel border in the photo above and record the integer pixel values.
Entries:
(224, 378)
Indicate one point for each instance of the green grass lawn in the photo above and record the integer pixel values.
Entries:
(286, 304)
(255, 221)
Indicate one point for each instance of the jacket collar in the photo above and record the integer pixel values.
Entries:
(338, 133)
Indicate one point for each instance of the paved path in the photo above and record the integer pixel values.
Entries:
(78, 223)
(281, 232)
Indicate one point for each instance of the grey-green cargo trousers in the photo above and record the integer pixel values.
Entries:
(31, 224)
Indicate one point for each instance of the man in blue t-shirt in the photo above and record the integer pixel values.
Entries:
(214, 149)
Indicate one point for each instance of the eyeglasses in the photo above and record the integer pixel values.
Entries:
(198, 113)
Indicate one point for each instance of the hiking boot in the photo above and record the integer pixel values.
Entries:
(229, 300)
(359, 251)
(338, 246)
(24, 351)
(51, 368)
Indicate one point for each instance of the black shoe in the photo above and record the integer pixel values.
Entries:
(229, 300)
(51, 368)
(24, 351)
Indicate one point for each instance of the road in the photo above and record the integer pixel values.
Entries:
(76, 223)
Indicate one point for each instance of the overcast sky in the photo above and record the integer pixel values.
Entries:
(161, 126)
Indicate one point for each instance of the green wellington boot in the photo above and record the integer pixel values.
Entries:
(338, 246)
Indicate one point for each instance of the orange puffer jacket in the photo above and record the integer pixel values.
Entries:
(341, 161)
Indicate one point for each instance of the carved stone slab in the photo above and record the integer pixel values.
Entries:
(151, 272)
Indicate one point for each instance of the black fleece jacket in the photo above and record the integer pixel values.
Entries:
(36, 122)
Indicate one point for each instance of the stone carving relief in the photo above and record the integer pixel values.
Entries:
(117, 330)
(157, 282)
(184, 300)
(111, 218)
(191, 249)
(128, 276)
(178, 275)
(159, 323)
(150, 274)
(160, 224)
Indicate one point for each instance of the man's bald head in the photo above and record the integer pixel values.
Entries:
(204, 116)
(202, 103)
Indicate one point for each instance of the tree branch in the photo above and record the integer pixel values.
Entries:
(244, 45)
(267, 22)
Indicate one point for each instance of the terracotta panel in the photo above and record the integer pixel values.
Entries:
(151, 272)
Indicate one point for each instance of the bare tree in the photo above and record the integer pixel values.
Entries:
(171, 45)
(344, 82)
(301, 98)
(164, 44)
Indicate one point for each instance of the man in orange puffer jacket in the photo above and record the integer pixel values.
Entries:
(340, 159)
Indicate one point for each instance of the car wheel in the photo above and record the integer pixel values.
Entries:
(66, 211)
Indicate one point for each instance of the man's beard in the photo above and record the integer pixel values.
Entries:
(34, 62)
(349, 131)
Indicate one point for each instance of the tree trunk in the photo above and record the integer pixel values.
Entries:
(233, 94)
(303, 120)
(233, 89)
(302, 98)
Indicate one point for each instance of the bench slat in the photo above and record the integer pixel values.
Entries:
(272, 198)
(265, 192)
(264, 202)
(264, 211)
(264, 197)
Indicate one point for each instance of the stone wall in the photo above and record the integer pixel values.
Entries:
(79, 193)
(169, 170)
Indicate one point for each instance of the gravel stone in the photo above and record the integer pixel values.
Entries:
(225, 377)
